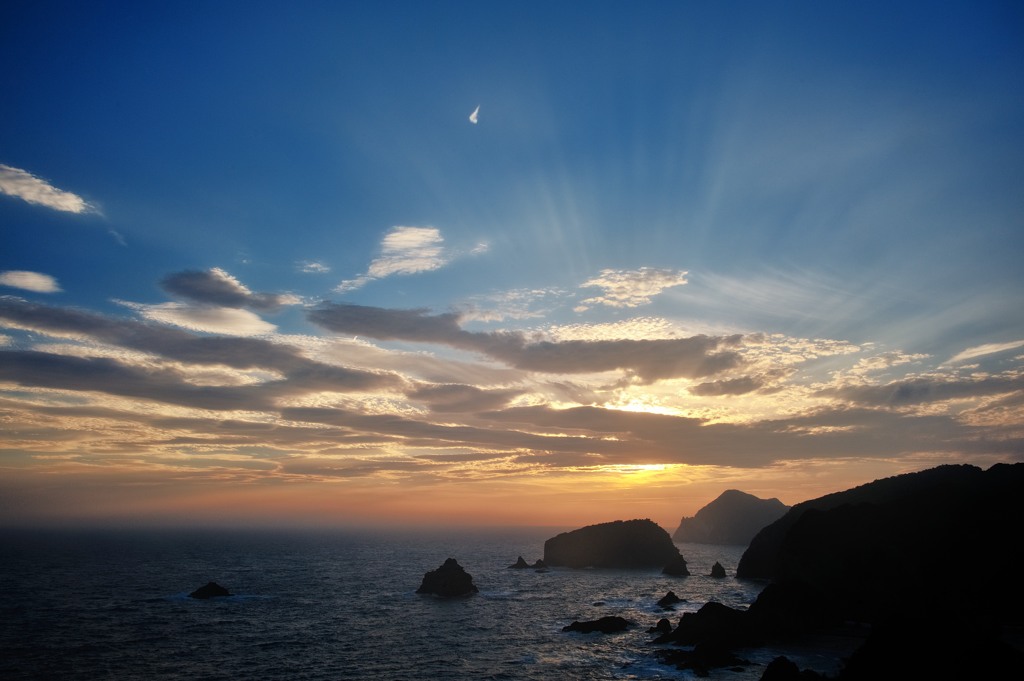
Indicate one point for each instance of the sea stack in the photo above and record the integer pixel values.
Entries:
(448, 581)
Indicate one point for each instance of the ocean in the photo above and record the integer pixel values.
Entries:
(333, 604)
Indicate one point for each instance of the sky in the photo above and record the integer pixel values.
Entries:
(483, 263)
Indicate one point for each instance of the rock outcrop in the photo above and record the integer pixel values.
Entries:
(667, 601)
(448, 581)
(733, 518)
(210, 590)
(676, 568)
(521, 564)
(620, 544)
(717, 571)
(605, 625)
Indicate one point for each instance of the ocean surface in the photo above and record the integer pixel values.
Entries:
(113, 604)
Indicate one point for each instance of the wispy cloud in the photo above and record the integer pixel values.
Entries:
(403, 251)
(630, 288)
(987, 349)
(27, 187)
(514, 304)
(29, 281)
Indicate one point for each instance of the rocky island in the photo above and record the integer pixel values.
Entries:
(605, 625)
(448, 581)
(733, 518)
(620, 544)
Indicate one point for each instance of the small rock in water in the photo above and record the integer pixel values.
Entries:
(668, 600)
(605, 625)
(717, 570)
(662, 627)
(211, 590)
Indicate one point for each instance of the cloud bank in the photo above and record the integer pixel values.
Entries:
(648, 360)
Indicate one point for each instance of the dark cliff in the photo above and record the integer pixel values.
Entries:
(619, 544)
(733, 518)
(880, 542)
(898, 554)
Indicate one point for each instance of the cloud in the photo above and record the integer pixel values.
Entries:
(217, 287)
(462, 398)
(925, 390)
(635, 437)
(420, 433)
(348, 467)
(987, 349)
(404, 251)
(513, 304)
(882, 362)
(631, 288)
(313, 267)
(734, 386)
(648, 360)
(46, 370)
(635, 327)
(26, 186)
(29, 281)
(207, 318)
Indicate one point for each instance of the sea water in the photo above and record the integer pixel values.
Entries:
(113, 604)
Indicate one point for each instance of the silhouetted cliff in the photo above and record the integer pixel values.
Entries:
(619, 544)
(870, 545)
(733, 518)
(882, 554)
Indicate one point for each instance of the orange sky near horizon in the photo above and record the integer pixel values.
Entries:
(664, 495)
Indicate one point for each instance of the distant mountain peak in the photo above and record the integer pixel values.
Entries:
(733, 518)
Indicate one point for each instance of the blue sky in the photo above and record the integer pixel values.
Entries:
(253, 249)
